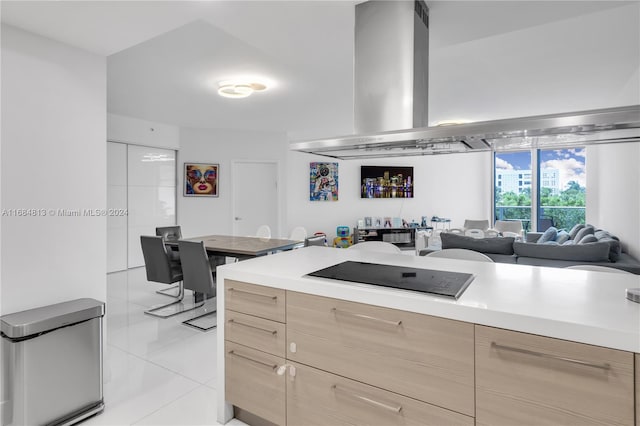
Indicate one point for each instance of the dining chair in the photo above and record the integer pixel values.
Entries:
(482, 224)
(461, 254)
(299, 233)
(513, 226)
(598, 268)
(263, 231)
(200, 278)
(475, 233)
(170, 233)
(377, 246)
(161, 269)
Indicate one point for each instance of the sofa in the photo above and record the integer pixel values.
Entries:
(584, 244)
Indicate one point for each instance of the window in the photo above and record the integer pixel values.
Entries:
(512, 198)
(562, 188)
(558, 186)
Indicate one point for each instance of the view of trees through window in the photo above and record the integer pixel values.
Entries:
(560, 187)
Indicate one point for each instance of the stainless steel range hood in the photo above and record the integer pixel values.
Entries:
(582, 128)
(390, 101)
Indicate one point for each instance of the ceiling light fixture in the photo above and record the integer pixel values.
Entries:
(239, 89)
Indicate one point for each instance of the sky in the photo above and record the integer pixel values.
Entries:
(570, 162)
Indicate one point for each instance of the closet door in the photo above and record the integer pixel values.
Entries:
(151, 195)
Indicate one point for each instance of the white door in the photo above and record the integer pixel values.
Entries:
(255, 197)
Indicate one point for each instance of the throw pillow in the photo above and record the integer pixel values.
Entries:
(568, 243)
(593, 252)
(562, 237)
(574, 230)
(584, 231)
(548, 235)
(589, 238)
(499, 245)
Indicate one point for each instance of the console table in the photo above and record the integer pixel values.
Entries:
(402, 237)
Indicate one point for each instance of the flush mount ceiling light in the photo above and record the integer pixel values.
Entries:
(239, 89)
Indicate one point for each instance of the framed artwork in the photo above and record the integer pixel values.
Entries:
(386, 182)
(323, 181)
(201, 180)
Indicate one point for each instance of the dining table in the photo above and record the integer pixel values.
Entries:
(243, 247)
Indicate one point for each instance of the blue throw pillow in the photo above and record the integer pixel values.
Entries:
(548, 235)
(562, 237)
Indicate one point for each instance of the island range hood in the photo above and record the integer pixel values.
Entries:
(566, 130)
(390, 101)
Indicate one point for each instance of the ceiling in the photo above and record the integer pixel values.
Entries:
(164, 57)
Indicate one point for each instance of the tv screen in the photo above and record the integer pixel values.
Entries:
(386, 182)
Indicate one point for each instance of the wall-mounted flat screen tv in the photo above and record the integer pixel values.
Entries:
(386, 182)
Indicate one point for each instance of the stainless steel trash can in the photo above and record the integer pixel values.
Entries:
(52, 363)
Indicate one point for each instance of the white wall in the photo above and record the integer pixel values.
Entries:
(53, 157)
(206, 216)
(587, 62)
(451, 186)
(613, 192)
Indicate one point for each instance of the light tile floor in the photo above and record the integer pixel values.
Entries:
(156, 371)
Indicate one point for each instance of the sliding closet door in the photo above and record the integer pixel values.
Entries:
(151, 198)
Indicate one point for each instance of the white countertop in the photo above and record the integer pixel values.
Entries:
(581, 306)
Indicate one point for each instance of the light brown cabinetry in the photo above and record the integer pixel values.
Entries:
(348, 363)
(256, 300)
(318, 398)
(526, 379)
(419, 356)
(254, 350)
(252, 382)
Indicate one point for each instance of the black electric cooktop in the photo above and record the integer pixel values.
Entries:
(442, 283)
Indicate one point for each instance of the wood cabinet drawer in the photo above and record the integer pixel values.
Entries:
(527, 379)
(258, 333)
(252, 383)
(319, 398)
(260, 301)
(423, 357)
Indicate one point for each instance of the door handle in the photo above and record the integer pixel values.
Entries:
(237, 218)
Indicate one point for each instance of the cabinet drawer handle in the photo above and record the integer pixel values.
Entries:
(250, 293)
(497, 346)
(367, 317)
(266, 330)
(370, 401)
(264, 364)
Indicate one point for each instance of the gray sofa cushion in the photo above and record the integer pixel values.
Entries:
(498, 245)
(592, 252)
(589, 238)
(584, 231)
(577, 227)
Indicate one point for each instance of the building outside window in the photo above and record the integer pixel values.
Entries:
(556, 188)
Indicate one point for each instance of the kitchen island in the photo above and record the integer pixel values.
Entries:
(338, 351)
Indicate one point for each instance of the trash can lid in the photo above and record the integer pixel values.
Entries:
(46, 318)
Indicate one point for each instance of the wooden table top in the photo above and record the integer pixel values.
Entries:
(228, 245)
